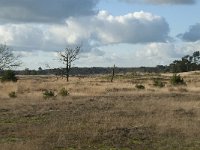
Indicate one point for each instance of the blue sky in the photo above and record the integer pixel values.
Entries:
(128, 33)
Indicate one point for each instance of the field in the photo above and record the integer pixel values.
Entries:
(98, 114)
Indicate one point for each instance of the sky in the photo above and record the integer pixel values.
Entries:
(127, 33)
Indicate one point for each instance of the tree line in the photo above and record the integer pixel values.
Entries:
(9, 61)
(186, 63)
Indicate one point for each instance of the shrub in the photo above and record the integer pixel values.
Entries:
(177, 80)
(9, 75)
(12, 94)
(140, 86)
(63, 92)
(48, 94)
(181, 89)
(158, 83)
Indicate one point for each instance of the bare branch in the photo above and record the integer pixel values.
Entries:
(7, 59)
(68, 56)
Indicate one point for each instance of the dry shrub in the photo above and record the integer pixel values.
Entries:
(63, 92)
(158, 83)
(182, 89)
(140, 86)
(12, 94)
(48, 94)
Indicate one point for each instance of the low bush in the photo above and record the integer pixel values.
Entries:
(48, 94)
(63, 92)
(9, 75)
(140, 86)
(158, 83)
(12, 94)
(177, 80)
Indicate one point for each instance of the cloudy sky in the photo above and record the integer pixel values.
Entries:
(128, 33)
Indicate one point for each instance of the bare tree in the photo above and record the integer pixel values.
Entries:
(68, 56)
(7, 59)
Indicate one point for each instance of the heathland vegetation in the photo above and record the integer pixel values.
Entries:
(135, 111)
(155, 108)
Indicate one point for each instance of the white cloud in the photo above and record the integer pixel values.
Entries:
(138, 27)
(163, 53)
(5, 34)
(189, 47)
(25, 37)
(156, 50)
(157, 54)
(91, 31)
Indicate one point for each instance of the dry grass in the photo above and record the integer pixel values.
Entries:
(100, 115)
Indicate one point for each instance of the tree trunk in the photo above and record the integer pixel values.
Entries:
(67, 69)
(113, 73)
(67, 77)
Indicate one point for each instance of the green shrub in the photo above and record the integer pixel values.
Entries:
(9, 75)
(177, 80)
(63, 92)
(12, 94)
(158, 83)
(140, 86)
(48, 94)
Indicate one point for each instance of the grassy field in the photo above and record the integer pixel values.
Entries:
(99, 114)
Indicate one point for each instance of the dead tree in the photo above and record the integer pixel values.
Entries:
(7, 59)
(113, 73)
(67, 57)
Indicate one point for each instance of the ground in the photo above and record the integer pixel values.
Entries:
(98, 114)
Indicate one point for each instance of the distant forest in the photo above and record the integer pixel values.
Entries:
(185, 64)
(76, 71)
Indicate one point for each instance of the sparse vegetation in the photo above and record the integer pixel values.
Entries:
(99, 114)
(181, 89)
